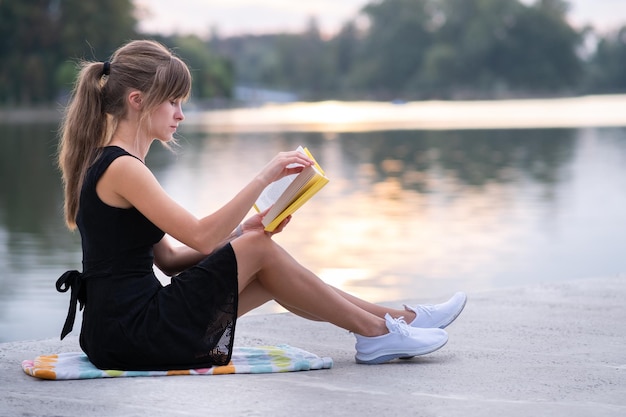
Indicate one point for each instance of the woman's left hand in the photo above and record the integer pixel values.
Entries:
(283, 164)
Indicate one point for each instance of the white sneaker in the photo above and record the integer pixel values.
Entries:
(402, 341)
(438, 315)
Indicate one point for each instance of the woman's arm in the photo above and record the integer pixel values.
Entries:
(129, 183)
(172, 259)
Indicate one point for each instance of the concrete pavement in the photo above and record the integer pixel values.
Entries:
(552, 350)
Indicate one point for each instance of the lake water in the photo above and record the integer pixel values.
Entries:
(407, 213)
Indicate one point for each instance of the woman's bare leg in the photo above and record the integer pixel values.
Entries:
(289, 283)
(376, 309)
(255, 295)
(265, 271)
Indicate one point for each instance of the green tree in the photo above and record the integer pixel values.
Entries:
(212, 75)
(608, 64)
(255, 58)
(28, 39)
(394, 47)
(540, 51)
(93, 30)
(342, 58)
(467, 41)
(468, 47)
(312, 67)
(295, 62)
(37, 37)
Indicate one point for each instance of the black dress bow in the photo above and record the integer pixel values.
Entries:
(71, 280)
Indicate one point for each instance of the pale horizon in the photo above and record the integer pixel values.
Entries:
(235, 17)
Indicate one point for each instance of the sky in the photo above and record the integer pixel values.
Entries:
(233, 17)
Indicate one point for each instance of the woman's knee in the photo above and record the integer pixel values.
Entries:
(253, 244)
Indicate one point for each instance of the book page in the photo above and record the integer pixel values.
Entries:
(272, 192)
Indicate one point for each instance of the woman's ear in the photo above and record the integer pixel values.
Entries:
(135, 100)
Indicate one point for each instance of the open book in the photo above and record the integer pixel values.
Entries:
(288, 194)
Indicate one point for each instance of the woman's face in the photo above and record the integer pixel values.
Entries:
(165, 120)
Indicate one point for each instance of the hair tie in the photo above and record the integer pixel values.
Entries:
(106, 68)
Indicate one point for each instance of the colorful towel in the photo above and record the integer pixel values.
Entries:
(245, 360)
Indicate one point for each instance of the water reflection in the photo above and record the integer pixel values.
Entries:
(407, 214)
(441, 206)
(474, 158)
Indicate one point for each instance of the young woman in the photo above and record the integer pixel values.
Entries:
(226, 267)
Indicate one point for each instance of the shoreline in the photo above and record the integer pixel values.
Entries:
(358, 116)
(30, 115)
(336, 116)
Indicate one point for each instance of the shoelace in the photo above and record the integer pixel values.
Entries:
(397, 325)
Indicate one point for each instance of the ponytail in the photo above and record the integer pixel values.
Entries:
(83, 133)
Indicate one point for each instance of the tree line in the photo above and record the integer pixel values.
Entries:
(42, 41)
(393, 49)
(421, 49)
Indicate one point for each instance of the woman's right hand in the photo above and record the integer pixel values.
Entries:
(256, 223)
(282, 165)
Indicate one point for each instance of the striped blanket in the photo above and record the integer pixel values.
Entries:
(245, 360)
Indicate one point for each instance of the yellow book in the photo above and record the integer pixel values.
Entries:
(288, 194)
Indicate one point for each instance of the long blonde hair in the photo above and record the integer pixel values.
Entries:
(98, 102)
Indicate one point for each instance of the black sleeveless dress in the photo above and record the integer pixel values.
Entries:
(130, 320)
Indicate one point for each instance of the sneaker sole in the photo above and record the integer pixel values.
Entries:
(391, 356)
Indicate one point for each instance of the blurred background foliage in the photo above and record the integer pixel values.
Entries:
(391, 50)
